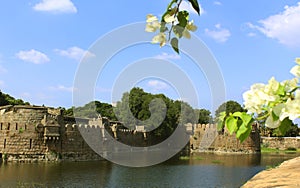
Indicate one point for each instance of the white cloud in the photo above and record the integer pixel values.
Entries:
(62, 88)
(188, 6)
(56, 6)
(157, 85)
(166, 56)
(283, 26)
(75, 53)
(219, 34)
(33, 56)
(217, 3)
(251, 34)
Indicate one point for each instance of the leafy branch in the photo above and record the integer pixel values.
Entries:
(173, 25)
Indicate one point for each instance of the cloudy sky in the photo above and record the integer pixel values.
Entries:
(42, 43)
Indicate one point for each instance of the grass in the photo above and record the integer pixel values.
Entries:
(198, 158)
(273, 150)
(184, 158)
(193, 158)
(216, 161)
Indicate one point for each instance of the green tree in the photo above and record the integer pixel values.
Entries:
(6, 99)
(204, 116)
(229, 107)
(92, 110)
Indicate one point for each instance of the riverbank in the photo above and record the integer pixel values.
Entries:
(285, 175)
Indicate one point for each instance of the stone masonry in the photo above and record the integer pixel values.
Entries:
(206, 138)
(34, 133)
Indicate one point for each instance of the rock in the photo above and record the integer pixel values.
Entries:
(286, 175)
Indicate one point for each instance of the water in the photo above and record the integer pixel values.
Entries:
(204, 170)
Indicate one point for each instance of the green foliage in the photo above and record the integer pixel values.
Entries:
(91, 110)
(139, 101)
(238, 122)
(174, 24)
(6, 99)
(204, 116)
(229, 107)
(174, 43)
(21, 130)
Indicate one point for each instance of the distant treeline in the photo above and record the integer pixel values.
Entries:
(6, 99)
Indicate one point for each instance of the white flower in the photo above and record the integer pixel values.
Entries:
(289, 85)
(152, 27)
(186, 34)
(271, 123)
(296, 71)
(169, 18)
(152, 23)
(298, 61)
(160, 38)
(191, 27)
(272, 87)
(252, 99)
(292, 108)
(151, 18)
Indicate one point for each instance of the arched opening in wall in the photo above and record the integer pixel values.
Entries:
(16, 126)
(30, 143)
(1, 126)
(4, 144)
(25, 126)
(8, 126)
(0, 157)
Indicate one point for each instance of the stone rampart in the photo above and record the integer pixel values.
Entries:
(281, 143)
(30, 133)
(206, 138)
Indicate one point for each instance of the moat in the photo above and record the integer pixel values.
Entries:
(204, 170)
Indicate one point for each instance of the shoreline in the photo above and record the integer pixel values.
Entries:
(285, 175)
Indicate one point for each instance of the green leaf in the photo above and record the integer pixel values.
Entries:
(183, 18)
(246, 118)
(174, 43)
(243, 133)
(231, 124)
(285, 125)
(221, 119)
(277, 109)
(281, 90)
(274, 116)
(195, 5)
(178, 30)
(220, 125)
(163, 27)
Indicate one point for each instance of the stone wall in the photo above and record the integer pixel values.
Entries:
(29, 133)
(206, 138)
(281, 143)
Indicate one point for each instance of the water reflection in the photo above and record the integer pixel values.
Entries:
(202, 170)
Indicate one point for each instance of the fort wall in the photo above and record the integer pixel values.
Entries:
(282, 143)
(206, 138)
(30, 133)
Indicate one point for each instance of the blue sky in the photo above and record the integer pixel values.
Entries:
(42, 42)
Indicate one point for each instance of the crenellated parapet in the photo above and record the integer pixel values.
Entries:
(207, 138)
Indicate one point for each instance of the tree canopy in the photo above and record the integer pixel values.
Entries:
(6, 99)
(229, 107)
